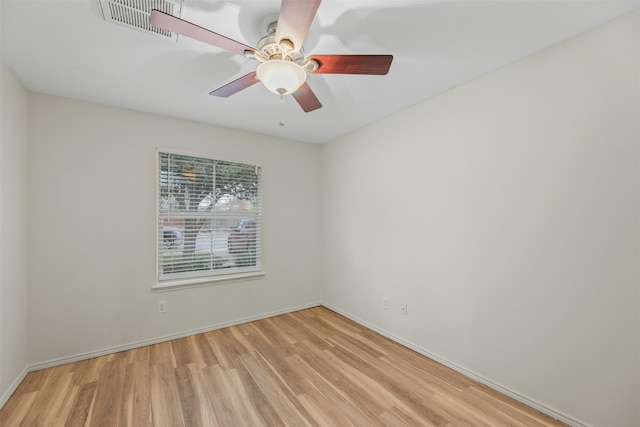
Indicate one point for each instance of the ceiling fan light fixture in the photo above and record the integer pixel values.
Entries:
(280, 76)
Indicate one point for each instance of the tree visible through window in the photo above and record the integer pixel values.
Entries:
(209, 217)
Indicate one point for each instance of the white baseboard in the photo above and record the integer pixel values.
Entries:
(116, 349)
(7, 394)
(486, 381)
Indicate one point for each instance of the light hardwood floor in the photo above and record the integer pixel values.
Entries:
(308, 368)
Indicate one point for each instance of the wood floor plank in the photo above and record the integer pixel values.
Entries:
(204, 398)
(65, 398)
(54, 384)
(258, 400)
(136, 394)
(316, 363)
(277, 392)
(322, 394)
(17, 408)
(242, 399)
(162, 353)
(206, 352)
(34, 381)
(307, 368)
(242, 411)
(165, 399)
(88, 371)
(138, 355)
(379, 385)
(413, 389)
(82, 407)
(184, 352)
(506, 407)
(224, 356)
(108, 404)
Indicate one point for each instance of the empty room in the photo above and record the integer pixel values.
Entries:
(320, 213)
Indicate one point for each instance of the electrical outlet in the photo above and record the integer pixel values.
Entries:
(385, 303)
(403, 309)
(162, 307)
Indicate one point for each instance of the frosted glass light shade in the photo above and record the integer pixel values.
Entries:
(280, 76)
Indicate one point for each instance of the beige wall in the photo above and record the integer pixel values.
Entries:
(517, 251)
(13, 233)
(92, 192)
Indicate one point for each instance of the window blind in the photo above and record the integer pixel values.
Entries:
(209, 217)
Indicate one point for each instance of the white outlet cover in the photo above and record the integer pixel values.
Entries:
(403, 309)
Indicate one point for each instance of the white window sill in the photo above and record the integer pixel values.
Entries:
(174, 285)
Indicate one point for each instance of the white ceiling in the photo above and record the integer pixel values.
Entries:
(66, 48)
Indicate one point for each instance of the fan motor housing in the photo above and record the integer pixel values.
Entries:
(268, 48)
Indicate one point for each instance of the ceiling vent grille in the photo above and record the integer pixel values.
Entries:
(135, 14)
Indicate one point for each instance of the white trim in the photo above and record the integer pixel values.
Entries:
(7, 394)
(212, 277)
(196, 282)
(489, 383)
(143, 343)
(477, 377)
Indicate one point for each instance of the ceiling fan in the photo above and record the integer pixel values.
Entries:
(283, 67)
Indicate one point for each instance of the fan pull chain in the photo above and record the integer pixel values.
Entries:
(281, 123)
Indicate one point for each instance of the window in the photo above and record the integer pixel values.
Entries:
(209, 219)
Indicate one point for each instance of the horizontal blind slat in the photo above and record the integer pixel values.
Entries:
(209, 217)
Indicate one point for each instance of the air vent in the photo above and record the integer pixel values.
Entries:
(135, 14)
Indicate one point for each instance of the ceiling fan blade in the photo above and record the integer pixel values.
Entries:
(306, 98)
(193, 31)
(295, 19)
(352, 64)
(236, 85)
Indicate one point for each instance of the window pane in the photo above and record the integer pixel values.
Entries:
(209, 215)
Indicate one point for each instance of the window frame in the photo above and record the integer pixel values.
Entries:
(212, 276)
